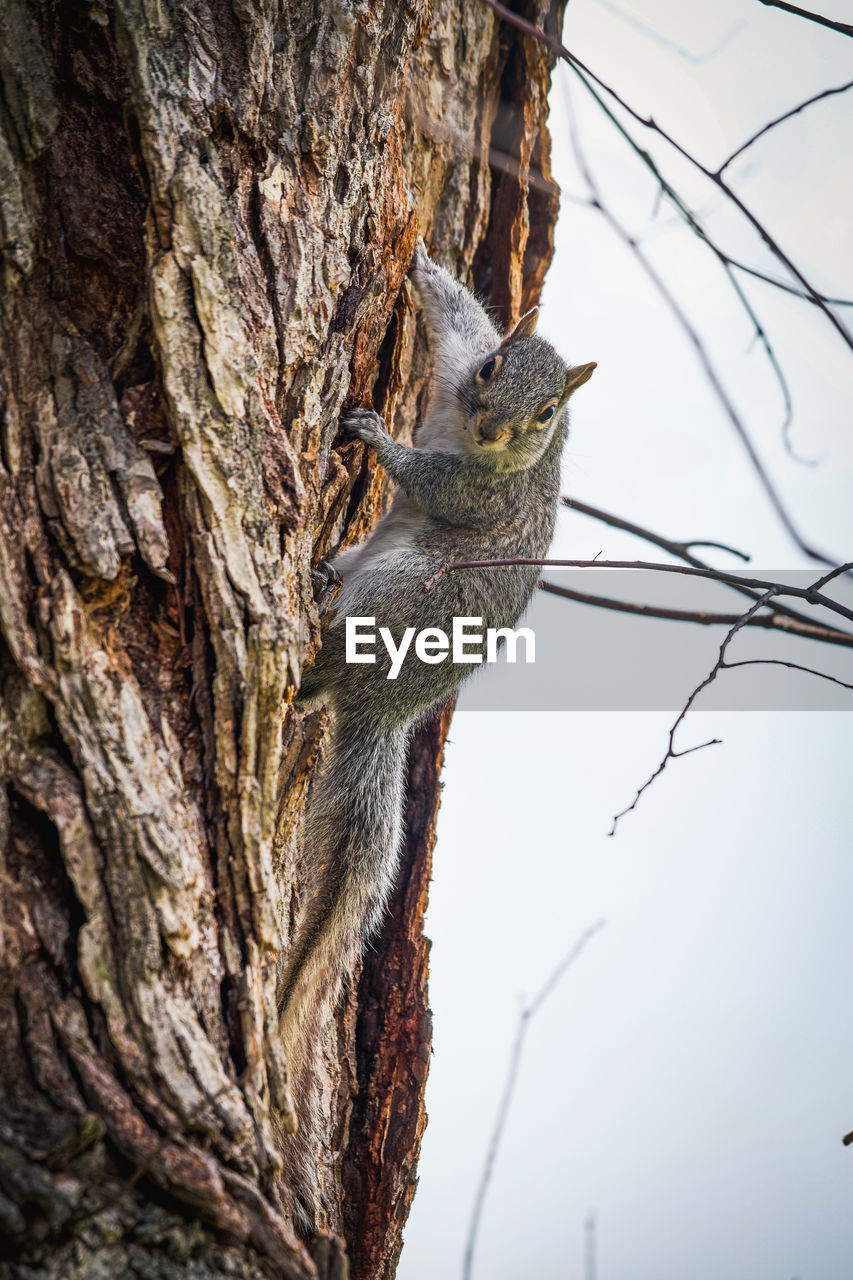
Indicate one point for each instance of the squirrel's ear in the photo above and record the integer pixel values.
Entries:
(576, 376)
(525, 328)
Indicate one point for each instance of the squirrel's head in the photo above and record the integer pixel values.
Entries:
(516, 396)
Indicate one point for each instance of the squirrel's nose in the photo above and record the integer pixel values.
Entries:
(485, 431)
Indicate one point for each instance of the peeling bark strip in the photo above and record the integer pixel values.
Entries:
(206, 217)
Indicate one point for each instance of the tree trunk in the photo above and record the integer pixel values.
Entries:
(208, 212)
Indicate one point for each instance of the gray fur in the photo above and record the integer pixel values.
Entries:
(482, 482)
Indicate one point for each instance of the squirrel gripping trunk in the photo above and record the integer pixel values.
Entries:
(482, 482)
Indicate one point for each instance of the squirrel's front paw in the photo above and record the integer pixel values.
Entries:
(367, 425)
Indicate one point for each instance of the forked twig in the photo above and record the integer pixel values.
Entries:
(509, 1088)
(711, 373)
(586, 74)
(720, 665)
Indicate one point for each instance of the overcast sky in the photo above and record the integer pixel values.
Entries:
(690, 1079)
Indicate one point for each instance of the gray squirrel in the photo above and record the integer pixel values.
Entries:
(482, 482)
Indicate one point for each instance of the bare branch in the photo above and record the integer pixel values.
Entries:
(671, 753)
(844, 28)
(681, 551)
(704, 359)
(509, 1088)
(586, 74)
(720, 665)
(648, 122)
(769, 621)
(828, 577)
(777, 284)
(693, 220)
(794, 111)
(727, 264)
(810, 594)
(699, 347)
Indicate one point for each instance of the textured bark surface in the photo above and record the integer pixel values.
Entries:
(207, 212)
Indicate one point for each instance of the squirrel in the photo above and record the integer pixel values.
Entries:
(481, 482)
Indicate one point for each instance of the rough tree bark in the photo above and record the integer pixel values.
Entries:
(208, 210)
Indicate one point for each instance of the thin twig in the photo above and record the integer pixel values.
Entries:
(794, 111)
(716, 383)
(648, 122)
(696, 341)
(719, 546)
(844, 28)
(810, 594)
(701, 352)
(509, 1088)
(704, 359)
(501, 160)
(681, 551)
(671, 753)
(721, 665)
(768, 621)
(780, 662)
(833, 573)
(692, 333)
(693, 220)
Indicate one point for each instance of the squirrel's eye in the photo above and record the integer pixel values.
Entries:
(546, 415)
(486, 371)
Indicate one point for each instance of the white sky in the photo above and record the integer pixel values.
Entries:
(690, 1079)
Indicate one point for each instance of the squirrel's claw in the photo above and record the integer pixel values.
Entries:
(367, 424)
(327, 585)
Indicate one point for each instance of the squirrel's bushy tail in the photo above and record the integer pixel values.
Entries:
(351, 845)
